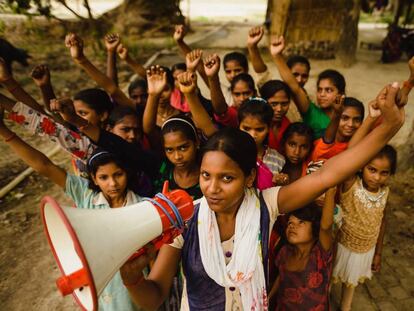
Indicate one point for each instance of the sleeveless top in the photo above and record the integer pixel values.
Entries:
(203, 292)
(362, 217)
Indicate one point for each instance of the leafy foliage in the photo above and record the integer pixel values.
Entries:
(30, 7)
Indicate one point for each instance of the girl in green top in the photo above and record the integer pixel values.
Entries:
(330, 88)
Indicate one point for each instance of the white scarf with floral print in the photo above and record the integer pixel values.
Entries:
(245, 269)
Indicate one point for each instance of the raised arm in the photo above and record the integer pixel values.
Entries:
(212, 67)
(178, 36)
(368, 124)
(347, 163)
(31, 156)
(157, 80)
(41, 77)
(325, 230)
(16, 89)
(253, 39)
(75, 44)
(299, 95)
(112, 41)
(408, 84)
(194, 63)
(188, 86)
(330, 132)
(135, 66)
(64, 107)
(132, 154)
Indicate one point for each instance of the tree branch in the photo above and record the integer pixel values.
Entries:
(63, 2)
(88, 8)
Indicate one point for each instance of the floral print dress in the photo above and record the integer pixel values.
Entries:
(308, 289)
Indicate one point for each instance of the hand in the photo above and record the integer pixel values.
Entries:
(212, 65)
(192, 59)
(157, 80)
(393, 115)
(131, 271)
(277, 46)
(64, 107)
(122, 52)
(112, 40)
(255, 35)
(75, 45)
(376, 263)
(280, 179)
(179, 33)
(373, 109)
(41, 75)
(4, 72)
(188, 82)
(338, 105)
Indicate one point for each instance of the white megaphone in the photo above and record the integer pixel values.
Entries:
(91, 245)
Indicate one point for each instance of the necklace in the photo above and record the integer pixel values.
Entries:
(368, 199)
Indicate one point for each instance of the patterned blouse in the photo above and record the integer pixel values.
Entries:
(307, 289)
(40, 124)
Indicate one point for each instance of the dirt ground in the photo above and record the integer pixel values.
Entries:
(28, 270)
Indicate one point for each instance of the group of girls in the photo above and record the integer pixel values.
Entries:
(266, 184)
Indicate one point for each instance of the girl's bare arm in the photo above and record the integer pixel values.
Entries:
(31, 156)
(188, 86)
(300, 97)
(76, 49)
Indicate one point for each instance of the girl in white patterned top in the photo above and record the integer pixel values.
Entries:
(363, 200)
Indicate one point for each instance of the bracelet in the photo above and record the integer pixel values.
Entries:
(10, 137)
(408, 84)
(137, 281)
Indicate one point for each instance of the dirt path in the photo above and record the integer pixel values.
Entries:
(28, 270)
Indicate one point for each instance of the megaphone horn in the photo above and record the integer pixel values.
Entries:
(90, 245)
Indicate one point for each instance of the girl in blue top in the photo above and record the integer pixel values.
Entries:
(108, 188)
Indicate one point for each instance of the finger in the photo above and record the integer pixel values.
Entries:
(392, 92)
(383, 93)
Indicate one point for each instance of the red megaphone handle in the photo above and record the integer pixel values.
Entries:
(166, 238)
(165, 187)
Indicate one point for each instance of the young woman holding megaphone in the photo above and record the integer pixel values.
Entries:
(224, 249)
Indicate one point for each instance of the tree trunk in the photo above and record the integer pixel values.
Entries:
(348, 40)
(139, 16)
(279, 16)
